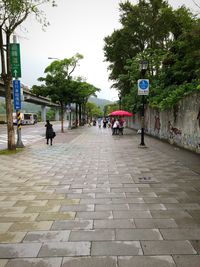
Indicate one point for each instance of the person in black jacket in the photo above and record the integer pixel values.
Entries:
(49, 132)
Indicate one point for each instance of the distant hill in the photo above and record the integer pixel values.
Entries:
(100, 102)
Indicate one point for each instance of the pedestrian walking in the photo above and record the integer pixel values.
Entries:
(115, 127)
(99, 122)
(50, 134)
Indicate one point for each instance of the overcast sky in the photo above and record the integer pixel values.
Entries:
(76, 26)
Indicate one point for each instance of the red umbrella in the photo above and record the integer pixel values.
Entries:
(120, 113)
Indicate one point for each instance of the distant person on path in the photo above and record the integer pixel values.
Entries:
(49, 132)
(99, 122)
(121, 126)
(104, 123)
(116, 127)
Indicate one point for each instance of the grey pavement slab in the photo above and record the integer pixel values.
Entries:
(90, 262)
(114, 223)
(36, 262)
(181, 234)
(155, 223)
(167, 247)
(99, 201)
(187, 260)
(47, 236)
(138, 234)
(146, 261)
(116, 248)
(62, 249)
(19, 250)
(92, 235)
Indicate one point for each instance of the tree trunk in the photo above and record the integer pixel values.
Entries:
(7, 79)
(79, 114)
(76, 118)
(62, 118)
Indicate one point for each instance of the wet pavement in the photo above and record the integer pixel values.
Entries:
(93, 199)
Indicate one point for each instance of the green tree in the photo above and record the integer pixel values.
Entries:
(12, 14)
(152, 30)
(92, 110)
(58, 83)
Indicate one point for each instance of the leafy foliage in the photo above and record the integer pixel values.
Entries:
(168, 39)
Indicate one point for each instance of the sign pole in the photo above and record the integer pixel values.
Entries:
(16, 69)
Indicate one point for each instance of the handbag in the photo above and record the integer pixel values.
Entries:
(54, 134)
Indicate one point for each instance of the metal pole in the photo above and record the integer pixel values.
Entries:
(142, 123)
(120, 103)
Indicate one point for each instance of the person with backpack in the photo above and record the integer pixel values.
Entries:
(50, 134)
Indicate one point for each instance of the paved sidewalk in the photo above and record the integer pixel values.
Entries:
(95, 200)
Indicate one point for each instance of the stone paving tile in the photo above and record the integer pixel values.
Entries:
(185, 261)
(55, 216)
(155, 223)
(7, 203)
(196, 245)
(160, 200)
(141, 206)
(3, 263)
(63, 249)
(19, 250)
(131, 214)
(146, 261)
(12, 237)
(127, 200)
(73, 225)
(176, 214)
(30, 226)
(90, 262)
(94, 215)
(181, 234)
(4, 227)
(138, 234)
(10, 210)
(116, 248)
(81, 195)
(80, 207)
(13, 217)
(46, 208)
(63, 201)
(30, 203)
(111, 207)
(92, 235)
(187, 222)
(96, 201)
(114, 224)
(36, 262)
(167, 247)
(47, 236)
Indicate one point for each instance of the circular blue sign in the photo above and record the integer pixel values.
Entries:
(143, 84)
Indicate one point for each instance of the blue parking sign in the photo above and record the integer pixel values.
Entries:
(16, 94)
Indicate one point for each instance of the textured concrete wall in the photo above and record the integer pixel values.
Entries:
(180, 125)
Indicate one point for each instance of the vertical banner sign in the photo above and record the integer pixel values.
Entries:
(15, 63)
(16, 94)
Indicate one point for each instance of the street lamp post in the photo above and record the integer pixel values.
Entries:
(143, 69)
(120, 101)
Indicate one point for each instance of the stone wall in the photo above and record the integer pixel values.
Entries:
(180, 125)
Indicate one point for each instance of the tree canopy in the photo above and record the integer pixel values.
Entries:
(62, 87)
(168, 39)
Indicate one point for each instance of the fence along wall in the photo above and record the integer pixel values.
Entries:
(179, 125)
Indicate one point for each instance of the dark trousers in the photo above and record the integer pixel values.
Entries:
(115, 131)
